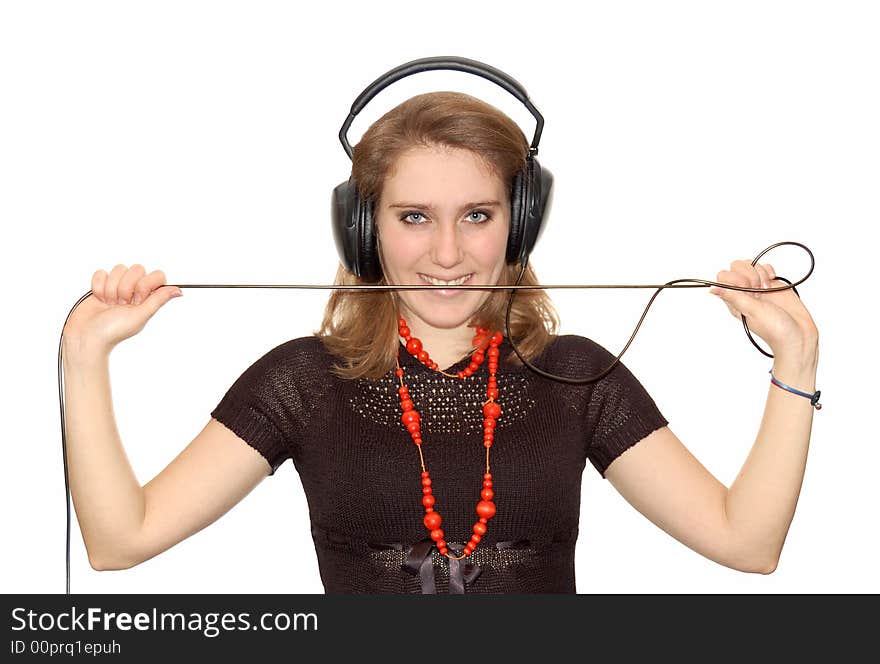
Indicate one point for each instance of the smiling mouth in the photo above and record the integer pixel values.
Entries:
(440, 282)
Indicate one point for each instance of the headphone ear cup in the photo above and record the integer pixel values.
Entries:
(343, 202)
(514, 236)
(540, 202)
(352, 223)
(369, 266)
(530, 202)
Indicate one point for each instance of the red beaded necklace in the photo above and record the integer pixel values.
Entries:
(491, 412)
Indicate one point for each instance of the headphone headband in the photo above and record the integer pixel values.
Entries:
(453, 63)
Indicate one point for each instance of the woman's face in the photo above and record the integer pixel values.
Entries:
(442, 216)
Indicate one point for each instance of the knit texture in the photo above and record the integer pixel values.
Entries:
(361, 474)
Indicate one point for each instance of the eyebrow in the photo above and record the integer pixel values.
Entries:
(431, 208)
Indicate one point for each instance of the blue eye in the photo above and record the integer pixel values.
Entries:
(482, 212)
(406, 215)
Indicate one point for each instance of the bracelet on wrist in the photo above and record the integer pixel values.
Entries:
(814, 398)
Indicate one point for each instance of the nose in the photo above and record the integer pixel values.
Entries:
(446, 247)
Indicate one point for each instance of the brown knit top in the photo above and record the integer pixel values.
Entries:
(362, 479)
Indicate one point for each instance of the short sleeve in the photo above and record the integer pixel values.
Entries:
(256, 407)
(620, 411)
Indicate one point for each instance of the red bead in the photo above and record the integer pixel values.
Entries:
(481, 331)
(410, 416)
(461, 374)
(423, 356)
(476, 538)
(426, 490)
(407, 404)
(487, 443)
(413, 427)
(400, 320)
(493, 352)
(486, 509)
(478, 357)
(487, 494)
(414, 346)
(489, 423)
(483, 519)
(492, 393)
(437, 534)
(404, 331)
(428, 501)
(496, 339)
(403, 391)
(480, 528)
(399, 372)
(425, 473)
(469, 548)
(426, 481)
(492, 409)
(432, 520)
(487, 476)
(473, 366)
(487, 484)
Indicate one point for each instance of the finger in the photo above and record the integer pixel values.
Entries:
(159, 297)
(113, 283)
(99, 281)
(763, 277)
(740, 302)
(126, 285)
(728, 277)
(141, 290)
(747, 270)
(148, 283)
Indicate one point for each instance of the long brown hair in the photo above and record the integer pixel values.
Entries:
(360, 326)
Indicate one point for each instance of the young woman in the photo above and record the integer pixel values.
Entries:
(432, 459)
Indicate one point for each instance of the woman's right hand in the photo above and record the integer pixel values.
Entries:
(120, 305)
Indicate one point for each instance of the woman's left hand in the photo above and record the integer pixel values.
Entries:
(780, 318)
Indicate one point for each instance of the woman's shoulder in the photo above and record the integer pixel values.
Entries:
(308, 349)
(575, 344)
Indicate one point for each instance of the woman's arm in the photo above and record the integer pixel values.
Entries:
(761, 501)
(123, 523)
(108, 498)
(743, 527)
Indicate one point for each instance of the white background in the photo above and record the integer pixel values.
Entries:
(201, 139)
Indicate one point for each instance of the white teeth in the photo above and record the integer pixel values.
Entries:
(440, 282)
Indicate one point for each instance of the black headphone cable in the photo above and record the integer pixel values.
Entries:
(695, 283)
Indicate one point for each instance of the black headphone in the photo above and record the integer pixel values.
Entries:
(530, 196)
